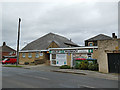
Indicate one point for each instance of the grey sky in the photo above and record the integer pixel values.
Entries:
(78, 20)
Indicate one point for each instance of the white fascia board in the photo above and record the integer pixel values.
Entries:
(72, 48)
(33, 50)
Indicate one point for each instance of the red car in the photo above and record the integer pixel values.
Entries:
(9, 61)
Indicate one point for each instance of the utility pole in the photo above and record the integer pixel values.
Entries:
(18, 42)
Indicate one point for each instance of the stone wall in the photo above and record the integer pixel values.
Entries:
(105, 45)
(69, 56)
(22, 60)
(95, 54)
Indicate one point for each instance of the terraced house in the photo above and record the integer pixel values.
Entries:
(38, 49)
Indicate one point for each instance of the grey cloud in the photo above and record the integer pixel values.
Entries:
(78, 21)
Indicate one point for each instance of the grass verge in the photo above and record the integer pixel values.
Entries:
(11, 66)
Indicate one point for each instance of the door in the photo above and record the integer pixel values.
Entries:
(61, 59)
(114, 62)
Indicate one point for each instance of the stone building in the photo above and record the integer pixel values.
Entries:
(109, 55)
(38, 49)
(94, 40)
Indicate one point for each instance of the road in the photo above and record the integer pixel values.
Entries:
(26, 78)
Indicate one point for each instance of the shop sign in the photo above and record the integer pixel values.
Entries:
(90, 50)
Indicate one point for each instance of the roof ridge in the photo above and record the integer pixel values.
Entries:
(43, 41)
(8, 48)
(97, 36)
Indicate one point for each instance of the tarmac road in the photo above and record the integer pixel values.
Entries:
(26, 78)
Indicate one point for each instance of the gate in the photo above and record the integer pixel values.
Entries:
(114, 62)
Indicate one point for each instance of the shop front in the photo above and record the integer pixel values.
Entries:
(69, 56)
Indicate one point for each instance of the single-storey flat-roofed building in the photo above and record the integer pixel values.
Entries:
(38, 49)
(72, 55)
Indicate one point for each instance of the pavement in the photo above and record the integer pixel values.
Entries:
(88, 73)
(13, 77)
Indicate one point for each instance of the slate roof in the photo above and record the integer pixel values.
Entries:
(99, 37)
(43, 42)
(6, 48)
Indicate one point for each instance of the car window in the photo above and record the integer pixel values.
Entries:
(5, 59)
(8, 59)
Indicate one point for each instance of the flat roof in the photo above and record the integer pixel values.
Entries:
(74, 48)
(33, 50)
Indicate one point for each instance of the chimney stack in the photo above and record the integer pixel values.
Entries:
(4, 43)
(114, 36)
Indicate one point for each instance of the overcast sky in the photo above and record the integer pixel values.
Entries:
(76, 20)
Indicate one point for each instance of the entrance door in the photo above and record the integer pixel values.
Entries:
(114, 62)
(61, 59)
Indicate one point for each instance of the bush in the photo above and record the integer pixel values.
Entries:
(93, 67)
(39, 61)
(84, 65)
(26, 63)
(64, 67)
(77, 66)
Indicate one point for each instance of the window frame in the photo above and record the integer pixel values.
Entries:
(23, 55)
(29, 55)
(37, 55)
(41, 53)
(52, 56)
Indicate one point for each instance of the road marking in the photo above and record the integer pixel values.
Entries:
(41, 78)
(35, 77)
(85, 86)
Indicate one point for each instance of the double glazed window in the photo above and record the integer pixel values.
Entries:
(41, 54)
(30, 55)
(91, 44)
(37, 55)
(23, 55)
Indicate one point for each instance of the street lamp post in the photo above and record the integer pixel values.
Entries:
(18, 41)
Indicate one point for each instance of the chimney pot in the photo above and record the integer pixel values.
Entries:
(116, 37)
(113, 35)
(4, 43)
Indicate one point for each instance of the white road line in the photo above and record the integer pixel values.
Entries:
(35, 77)
(87, 86)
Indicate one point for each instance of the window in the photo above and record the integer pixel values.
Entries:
(89, 56)
(30, 55)
(41, 54)
(53, 56)
(8, 59)
(37, 55)
(91, 44)
(54, 62)
(23, 55)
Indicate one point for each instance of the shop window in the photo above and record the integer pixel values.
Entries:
(23, 55)
(53, 56)
(57, 62)
(30, 55)
(37, 55)
(54, 62)
(64, 63)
